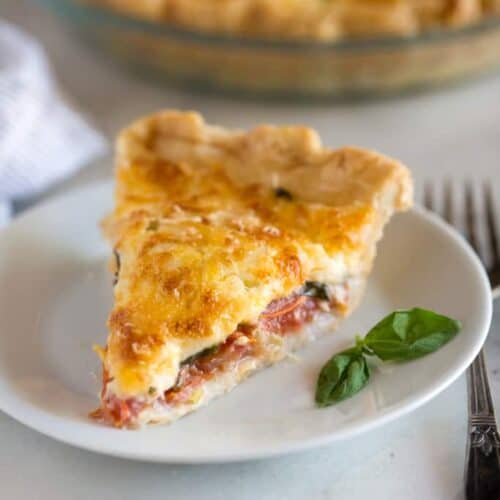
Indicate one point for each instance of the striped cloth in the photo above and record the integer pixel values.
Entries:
(42, 138)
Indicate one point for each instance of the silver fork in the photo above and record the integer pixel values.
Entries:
(482, 466)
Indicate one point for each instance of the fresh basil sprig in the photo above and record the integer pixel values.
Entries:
(344, 375)
(406, 335)
(401, 336)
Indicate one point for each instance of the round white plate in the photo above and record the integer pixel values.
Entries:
(55, 293)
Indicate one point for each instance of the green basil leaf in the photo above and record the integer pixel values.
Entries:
(315, 289)
(280, 192)
(344, 375)
(117, 266)
(208, 351)
(410, 334)
(153, 225)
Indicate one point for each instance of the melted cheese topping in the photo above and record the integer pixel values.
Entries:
(203, 249)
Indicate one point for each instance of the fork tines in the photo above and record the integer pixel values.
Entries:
(477, 219)
(491, 222)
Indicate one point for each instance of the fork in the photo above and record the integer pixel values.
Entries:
(482, 466)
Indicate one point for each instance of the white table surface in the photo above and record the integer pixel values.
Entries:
(453, 132)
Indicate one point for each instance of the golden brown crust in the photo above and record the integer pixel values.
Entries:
(206, 242)
(290, 157)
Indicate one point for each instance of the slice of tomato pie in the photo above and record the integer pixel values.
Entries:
(231, 250)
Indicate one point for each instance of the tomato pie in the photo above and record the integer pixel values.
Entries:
(231, 249)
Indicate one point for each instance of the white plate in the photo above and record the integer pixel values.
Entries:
(55, 292)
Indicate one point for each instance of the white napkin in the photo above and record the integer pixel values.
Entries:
(42, 139)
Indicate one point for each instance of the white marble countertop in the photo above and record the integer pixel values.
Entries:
(454, 132)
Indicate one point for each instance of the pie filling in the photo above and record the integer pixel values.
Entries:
(282, 318)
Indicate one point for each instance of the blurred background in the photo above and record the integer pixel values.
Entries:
(292, 48)
(414, 79)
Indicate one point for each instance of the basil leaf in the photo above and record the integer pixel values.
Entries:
(315, 289)
(280, 192)
(208, 351)
(153, 225)
(117, 266)
(410, 334)
(342, 376)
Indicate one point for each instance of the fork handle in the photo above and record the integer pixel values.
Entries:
(482, 474)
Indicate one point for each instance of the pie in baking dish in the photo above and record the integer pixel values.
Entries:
(231, 250)
(309, 19)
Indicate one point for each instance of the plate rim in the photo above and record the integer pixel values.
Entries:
(358, 427)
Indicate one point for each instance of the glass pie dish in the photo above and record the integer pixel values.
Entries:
(363, 67)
